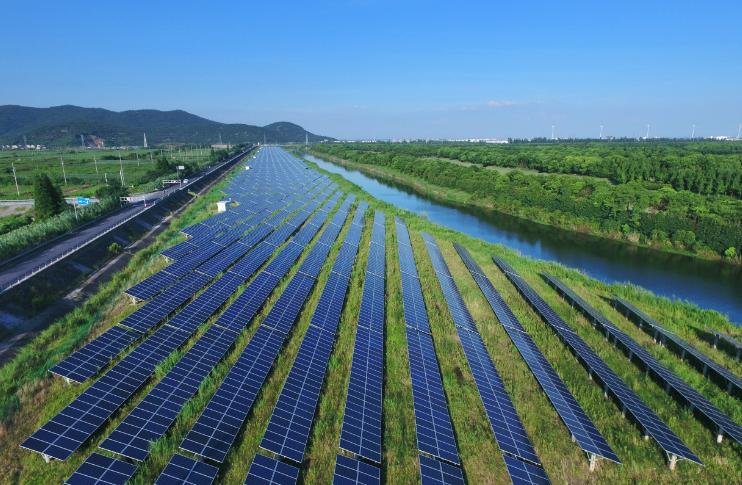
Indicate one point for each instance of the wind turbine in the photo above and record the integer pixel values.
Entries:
(647, 135)
(552, 132)
(739, 130)
(693, 132)
(601, 133)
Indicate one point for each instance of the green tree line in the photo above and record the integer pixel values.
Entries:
(658, 215)
(702, 167)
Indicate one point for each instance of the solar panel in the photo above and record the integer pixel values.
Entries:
(269, 471)
(216, 428)
(731, 383)
(670, 382)
(71, 427)
(574, 417)
(523, 473)
(286, 310)
(182, 470)
(89, 360)
(434, 472)
(153, 312)
(102, 470)
(629, 402)
(361, 431)
(349, 471)
(150, 287)
(288, 430)
(154, 415)
(432, 420)
(371, 314)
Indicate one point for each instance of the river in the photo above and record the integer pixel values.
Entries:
(708, 284)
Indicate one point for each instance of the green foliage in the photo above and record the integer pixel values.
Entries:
(113, 190)
(114, 248)
(11, 223)
(632, 210)
(48, 198)
(730, 253)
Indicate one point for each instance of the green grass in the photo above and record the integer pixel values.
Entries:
(40, 396)
(80, 168)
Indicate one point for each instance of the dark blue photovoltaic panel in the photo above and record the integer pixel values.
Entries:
(349, 471)
(148, 288)
(376, 259)
(221, 420)
(248, 265)
(269, 471)
(371, 314)
(327, 314)
(630, 403)
(165, 303)
(434, 472)
(186, 471)
(286, 310)
(579, 424)
(522, 473)
(673, 385)
(90, 359)
(154, 415)
(361, 432)
(288, 430)
(102, 470)
(71, 427)
(432, 419)
(343, 265)
(731, 383)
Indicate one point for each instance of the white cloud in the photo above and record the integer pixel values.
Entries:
(499, 103)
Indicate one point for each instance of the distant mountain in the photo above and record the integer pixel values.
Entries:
(63, 125)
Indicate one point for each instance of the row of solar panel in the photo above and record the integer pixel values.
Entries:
(185, 363)
(361, 429)
(507, 427)
(671, 383)
(730, 382)
(433, 427)
(70, 428)
(90, 359)
(613, 385)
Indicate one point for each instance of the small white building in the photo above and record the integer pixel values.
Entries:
(222, 205)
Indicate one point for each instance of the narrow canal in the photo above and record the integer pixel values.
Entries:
(708, 284)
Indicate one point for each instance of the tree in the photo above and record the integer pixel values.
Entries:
(48, 199)
(114, 190)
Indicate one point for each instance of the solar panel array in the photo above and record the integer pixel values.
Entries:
(434, 431)
(89, 360)
(361, 430)
(434, 472)
(507, 427)
(215, 430)
(288, 430)
(671, 383)
(574, 417)
(731, 383)
(627, 399)
(71, 427)
(727, 340)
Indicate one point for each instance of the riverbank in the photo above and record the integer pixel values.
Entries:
(562, 221)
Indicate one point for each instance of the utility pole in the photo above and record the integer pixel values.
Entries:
(106, 176)
(121, 169)
(82, 141)
(95, 160)
(64, 174)
(16, 181)
(601, 132)
(739, 130)
(693, 132)
(74, 204)
(552, 132)
(137, 158)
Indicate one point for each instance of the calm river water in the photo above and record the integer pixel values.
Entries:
(708, 284)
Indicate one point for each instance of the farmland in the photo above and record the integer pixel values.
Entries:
(88, 170)
(32, 396)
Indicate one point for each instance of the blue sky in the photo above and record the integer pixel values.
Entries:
(389, 69)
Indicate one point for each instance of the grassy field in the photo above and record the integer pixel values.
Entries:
(80, 167)
(33, 396)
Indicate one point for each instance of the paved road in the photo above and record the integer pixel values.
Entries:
(17, 268)
(20, 267)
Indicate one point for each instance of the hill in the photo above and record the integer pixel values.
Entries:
(63, 125)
